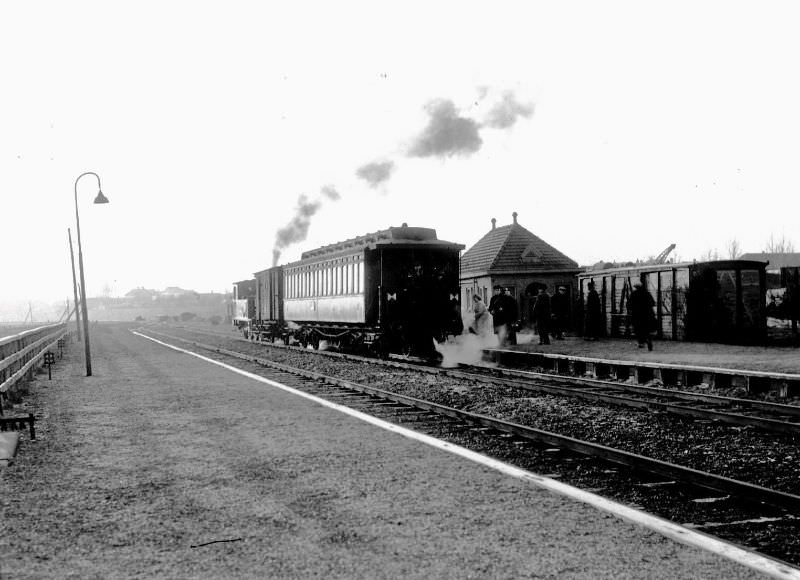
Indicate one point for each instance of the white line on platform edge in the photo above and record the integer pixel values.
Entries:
(665, 527)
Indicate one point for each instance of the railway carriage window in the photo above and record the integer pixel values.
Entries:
(350, 278)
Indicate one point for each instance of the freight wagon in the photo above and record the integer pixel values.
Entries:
(718, 301)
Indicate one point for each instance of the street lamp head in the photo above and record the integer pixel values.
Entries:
(100, 198)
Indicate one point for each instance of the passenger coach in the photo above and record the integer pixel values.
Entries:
(396, 289)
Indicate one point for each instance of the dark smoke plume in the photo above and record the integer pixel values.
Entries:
(376, 172)
(505, 113)
(447, 133)
(297, 229)
(330, 192)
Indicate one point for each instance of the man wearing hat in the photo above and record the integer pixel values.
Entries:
(594, 316)
(641, 305)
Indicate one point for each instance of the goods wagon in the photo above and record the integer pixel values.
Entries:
(718, 301)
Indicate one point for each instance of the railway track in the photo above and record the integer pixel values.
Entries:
(769, 416)
(757, 517)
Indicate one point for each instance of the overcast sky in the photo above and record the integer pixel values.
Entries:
(227, 133)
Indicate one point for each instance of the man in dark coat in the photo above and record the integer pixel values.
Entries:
(560, 306)
(640, 306)
(594, 315)
(495, 310)
(541, 314)
(510, 313)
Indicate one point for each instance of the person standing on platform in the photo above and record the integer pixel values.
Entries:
(560, 306)
(594, 315)
(641, 305)
(541, 314)
(510, 313)
(493, 308)
(481, 324)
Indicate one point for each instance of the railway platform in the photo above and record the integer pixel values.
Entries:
(166, 465)
(773, 369)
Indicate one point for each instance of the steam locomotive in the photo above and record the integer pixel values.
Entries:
(395, 290)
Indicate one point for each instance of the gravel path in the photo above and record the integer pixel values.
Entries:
(158, 452)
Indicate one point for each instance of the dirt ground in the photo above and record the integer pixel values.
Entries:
(164, 466)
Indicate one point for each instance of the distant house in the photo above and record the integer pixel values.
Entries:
(174, 291)
(141, 294)
(513, 257)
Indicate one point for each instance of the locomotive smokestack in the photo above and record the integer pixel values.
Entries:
(514, 215)
(494, 223)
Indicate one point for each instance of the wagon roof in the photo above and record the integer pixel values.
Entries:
(718, 264)
(393, 236)
(513, 248)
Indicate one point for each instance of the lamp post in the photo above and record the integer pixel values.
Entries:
(85, 311)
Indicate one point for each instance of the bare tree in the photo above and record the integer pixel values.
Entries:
(734, 249)
(779, 246)
(710, 255)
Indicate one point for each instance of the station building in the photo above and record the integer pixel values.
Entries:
(513, 257)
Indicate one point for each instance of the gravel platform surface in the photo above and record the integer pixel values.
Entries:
(157, 454)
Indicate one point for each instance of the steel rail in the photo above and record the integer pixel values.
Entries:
(777, 408)
(731, 418)
(748, 491)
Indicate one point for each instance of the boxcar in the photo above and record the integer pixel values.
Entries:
(719, 301)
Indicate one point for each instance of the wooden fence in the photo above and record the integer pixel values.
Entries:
(21, 353)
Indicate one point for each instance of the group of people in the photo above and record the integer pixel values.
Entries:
(551, 315)
(504, 314)
(640, 309)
